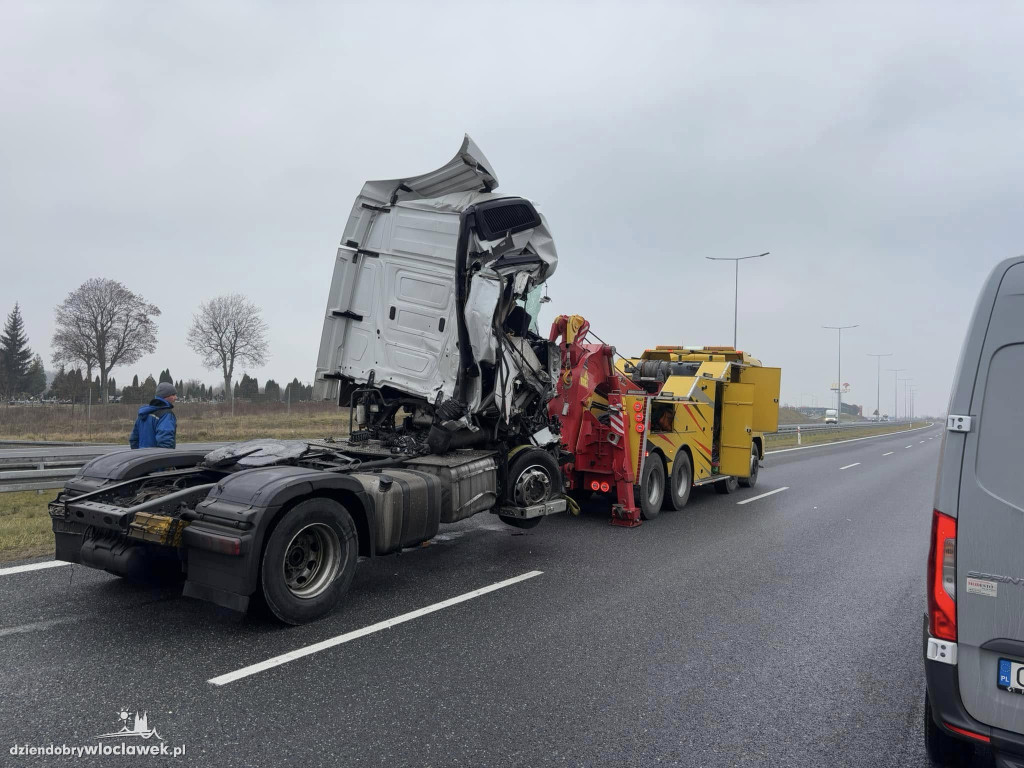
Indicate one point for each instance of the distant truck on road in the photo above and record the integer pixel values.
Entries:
(831, 416)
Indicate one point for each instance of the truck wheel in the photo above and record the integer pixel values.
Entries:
(533, 477)
(682, 481)
(309, 561)
(755, 465)
(651, 491)
(942, 747)
(728, 485)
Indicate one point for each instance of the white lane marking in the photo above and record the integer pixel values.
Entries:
(851, 440)
(908, 446)
(38, 625)
(769, 493)
(890, 453)
(921, 443)
(299, 653)
(855, 464)
(31, 567)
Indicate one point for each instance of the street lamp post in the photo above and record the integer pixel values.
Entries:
(878, 381)
(906, 397)
(895, 394)
(736, 289)
(839, 370)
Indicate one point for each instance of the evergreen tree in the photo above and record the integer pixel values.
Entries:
(148, 390)
(34, 383)
(272, 391)
(58, 384)
(15, 355)
(75, 390)
(135, 380)
(165, 375)
(248, 388)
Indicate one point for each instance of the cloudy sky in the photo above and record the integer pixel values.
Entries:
(196, 149)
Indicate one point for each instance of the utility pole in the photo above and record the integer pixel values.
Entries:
(878, 381)
(736, 289)
(839, 370)
(895, 395)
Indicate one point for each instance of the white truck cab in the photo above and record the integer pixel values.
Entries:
(831, 416)
(427, 281)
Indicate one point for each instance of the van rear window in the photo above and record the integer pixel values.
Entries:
(1000, 468)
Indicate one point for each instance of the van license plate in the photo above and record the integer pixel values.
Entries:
(1011, 676)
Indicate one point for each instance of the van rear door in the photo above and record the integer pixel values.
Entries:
(990, 518)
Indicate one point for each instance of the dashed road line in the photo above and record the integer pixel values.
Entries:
(908, 446)
(855, 464)
(308, 650)
(769, 493)
(890, 453)
(31, 567)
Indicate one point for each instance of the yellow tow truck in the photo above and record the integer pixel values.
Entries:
(649, 428)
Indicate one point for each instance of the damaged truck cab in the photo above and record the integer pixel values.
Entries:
(430, 340)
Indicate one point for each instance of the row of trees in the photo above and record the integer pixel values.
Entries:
(75, 386)
(102, 325)
(21, 370)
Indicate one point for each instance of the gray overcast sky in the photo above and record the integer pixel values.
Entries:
(194, 149)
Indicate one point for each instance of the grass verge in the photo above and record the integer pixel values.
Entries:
(25, 525)
(836, 435)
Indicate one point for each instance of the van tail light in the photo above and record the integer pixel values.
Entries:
(942, 577)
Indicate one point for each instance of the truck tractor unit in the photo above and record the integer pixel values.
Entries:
(430, 340)
(648, 429)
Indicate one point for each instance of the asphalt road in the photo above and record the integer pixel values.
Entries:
(785, 631)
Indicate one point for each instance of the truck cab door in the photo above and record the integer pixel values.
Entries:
(766, 382)
(735, 433)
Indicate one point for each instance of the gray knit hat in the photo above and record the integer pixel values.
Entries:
(165, 389)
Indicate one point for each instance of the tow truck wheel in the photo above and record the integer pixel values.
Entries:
(651, 491)
(750, 482)
(309, 561)
(728, 485)
(682, 481)
(533, 477)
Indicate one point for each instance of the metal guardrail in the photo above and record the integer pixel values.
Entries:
(50, 470)
(41, 467)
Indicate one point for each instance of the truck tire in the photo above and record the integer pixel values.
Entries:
(727, 485)
(308, 561)
(533, 477)
(755, 464)
(681, 482)
(650, 493)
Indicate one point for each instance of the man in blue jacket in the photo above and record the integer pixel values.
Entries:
(156, 424)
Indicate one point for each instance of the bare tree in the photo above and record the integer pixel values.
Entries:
(102, 324)
(226, 330)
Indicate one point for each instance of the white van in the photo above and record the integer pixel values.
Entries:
(831, 416)
(974, 625)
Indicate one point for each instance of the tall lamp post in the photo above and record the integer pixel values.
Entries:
(895, 393)
(878, 381)
(736, 290)
(906, 397)
(839, 370)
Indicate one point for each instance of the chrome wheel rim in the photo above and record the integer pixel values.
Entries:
(654, 489)
(532, 486)
(312, 560)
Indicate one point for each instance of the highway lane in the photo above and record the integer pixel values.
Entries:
(783, 630)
